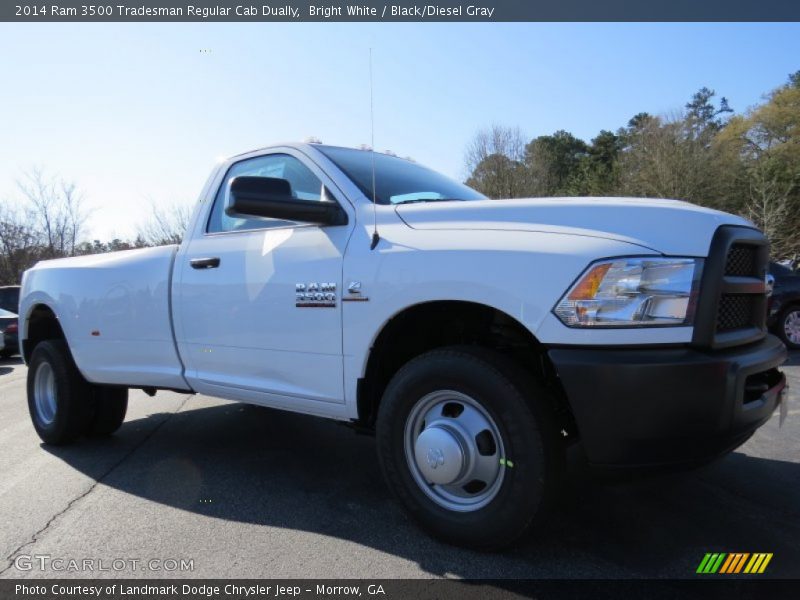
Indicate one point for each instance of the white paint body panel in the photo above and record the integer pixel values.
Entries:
(240, 336)
(124, 298)
(255, 284)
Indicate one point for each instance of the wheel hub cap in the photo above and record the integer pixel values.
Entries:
(439, 455)
(44, 393)
(454, 450)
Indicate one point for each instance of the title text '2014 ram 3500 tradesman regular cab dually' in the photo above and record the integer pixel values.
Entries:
(478, 338)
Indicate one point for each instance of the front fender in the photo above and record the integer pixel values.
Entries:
(521, 274)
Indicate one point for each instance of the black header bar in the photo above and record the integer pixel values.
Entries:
(401, 11)
(700, 587)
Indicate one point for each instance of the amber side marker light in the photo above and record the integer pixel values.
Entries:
(587, 287)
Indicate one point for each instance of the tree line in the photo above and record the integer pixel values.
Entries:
(48, 219)
(746, 163)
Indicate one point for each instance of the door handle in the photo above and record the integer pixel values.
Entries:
(205, 263)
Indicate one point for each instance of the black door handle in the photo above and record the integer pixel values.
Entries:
(204, 263)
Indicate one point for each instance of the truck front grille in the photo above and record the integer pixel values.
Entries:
(736, 311)
(733, 303)
(742, 261)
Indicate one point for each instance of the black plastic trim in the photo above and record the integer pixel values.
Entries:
(205, 263)
(667, 406)
(715, 283)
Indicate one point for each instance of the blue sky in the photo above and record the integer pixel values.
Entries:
(135, 113)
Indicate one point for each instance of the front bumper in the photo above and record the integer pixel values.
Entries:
(647, 407)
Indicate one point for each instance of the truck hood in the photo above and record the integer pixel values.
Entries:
(666, 226)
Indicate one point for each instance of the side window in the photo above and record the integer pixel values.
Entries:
(305, 186)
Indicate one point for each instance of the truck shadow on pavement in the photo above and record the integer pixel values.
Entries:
(7, 364)
(269, 468)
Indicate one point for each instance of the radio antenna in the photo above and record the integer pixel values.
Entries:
(375, 237)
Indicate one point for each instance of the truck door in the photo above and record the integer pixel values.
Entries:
(242, 332)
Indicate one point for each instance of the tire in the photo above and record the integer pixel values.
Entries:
(59, 398)
(458, 391)
(109, 405)
(788, 326)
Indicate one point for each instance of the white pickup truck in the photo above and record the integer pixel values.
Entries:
(477, 338)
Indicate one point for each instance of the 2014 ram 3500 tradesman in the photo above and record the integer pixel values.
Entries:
(477, 338)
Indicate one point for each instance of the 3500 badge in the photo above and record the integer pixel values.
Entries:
(315, 295)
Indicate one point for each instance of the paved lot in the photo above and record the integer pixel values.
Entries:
(248, 492)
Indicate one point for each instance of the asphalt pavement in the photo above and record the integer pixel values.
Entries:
(192, 486)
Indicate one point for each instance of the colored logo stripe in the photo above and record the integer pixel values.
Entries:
(711, 562)
(723, 563)
(726, 565)
(735, 562)
(758, 563)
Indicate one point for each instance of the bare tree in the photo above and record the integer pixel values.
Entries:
(166, 224)
(55, 212)
(495, 162)
(770, 208)
(48, 221)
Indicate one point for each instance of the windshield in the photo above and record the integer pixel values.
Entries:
(397, 180)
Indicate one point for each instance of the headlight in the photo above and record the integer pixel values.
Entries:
(633, 292)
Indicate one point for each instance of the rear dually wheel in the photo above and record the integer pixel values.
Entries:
(62, 404)
(58, 395)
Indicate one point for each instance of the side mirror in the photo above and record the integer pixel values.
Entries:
(270, 197)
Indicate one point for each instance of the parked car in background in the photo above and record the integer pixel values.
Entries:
(9, 298)
(784, 305)
(9, 329)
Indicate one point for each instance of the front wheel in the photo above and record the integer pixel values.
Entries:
(468, 444)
